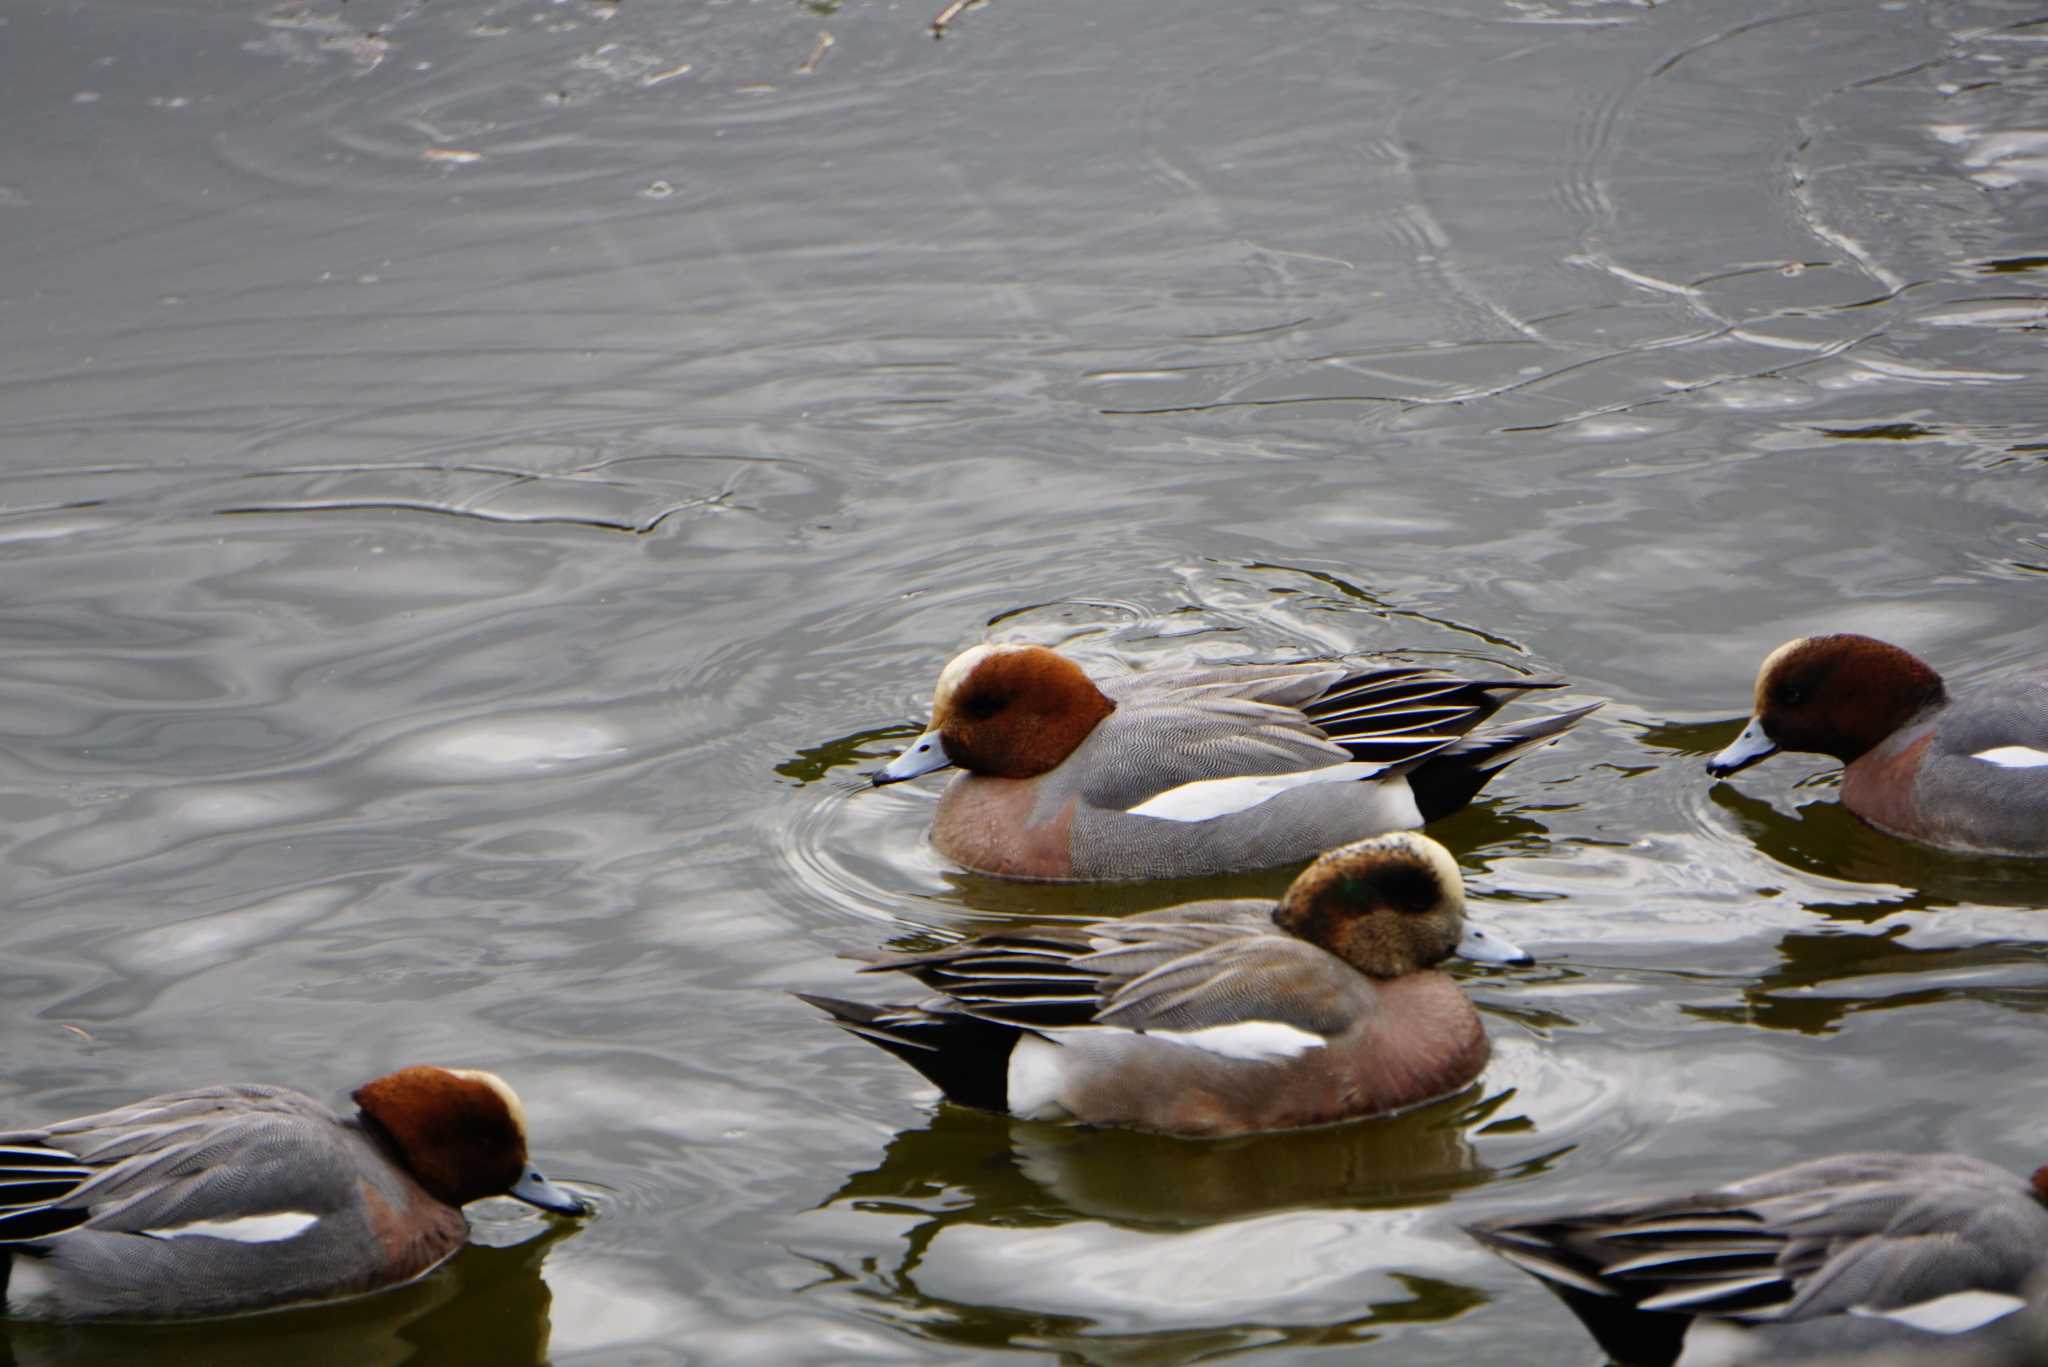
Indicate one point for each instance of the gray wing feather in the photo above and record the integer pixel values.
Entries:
(1875, 1231)
(1185, 726)
(1269, 977)
(195, 1155)
(1181, 968)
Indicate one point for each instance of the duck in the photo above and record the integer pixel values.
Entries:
(235, 1198)
(1212, 1018)
(1195, 772)
(1835, 1255)
(1965, 771)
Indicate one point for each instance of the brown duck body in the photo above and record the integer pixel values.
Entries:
(1187, 773)
(1962, 771)
(229, 1199)
(1213, 1018)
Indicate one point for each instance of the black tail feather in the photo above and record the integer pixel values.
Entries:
(1625, 1332)
(1450, 778)
(965, 1057)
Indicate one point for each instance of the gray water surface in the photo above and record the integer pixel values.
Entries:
(479, 480)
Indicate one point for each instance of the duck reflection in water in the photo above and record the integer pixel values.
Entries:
(485, 1305)
(984, 1231)
(971, 1166)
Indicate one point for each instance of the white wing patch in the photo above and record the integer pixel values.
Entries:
(1213, 797)
(245, 1229)
(1248, 1040)
(2014, 757)
(1956, 1313)
(1039, 1064)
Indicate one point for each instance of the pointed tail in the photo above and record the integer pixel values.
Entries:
(964, 1056)
(1451, 777)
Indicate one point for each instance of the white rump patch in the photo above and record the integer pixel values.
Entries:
(247, 1229)
(1249, 1040)
(1714, 1343)
(2014, 757)
(1037, 1074)
(1207, 798)
(1956, 1313)
(27, 1284)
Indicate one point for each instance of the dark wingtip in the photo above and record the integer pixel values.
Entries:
(1484, 1232)
(835, 1007)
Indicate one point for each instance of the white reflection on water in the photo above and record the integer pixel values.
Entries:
(1297, 1267)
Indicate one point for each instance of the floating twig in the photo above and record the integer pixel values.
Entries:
(950, 13)
(817, 53)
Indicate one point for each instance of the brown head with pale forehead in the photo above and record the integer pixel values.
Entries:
(1387, 906)
(1841, 695)
(1014, 711)
(461, 1133)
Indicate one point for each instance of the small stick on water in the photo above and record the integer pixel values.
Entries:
(818, 52)
(949, 14)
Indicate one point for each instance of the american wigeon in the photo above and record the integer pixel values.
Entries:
(1212, 1018)
(236, 1198)
(1186, 773)
(1964, 773)
(1837, 1255)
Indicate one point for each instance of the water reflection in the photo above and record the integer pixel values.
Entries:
(1825, 839)
(975, 1166)
(1571, 354)
(1017, 1233)
(1826, 977)
(488, 1305)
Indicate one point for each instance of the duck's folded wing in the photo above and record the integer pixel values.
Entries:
(1026, 977)
(1184, 968)
(1861, 1234)
(1247, 724)
(1234, 982)
(171, 1165)
(1400, 716)
(34, 1182)
(1903, 1234)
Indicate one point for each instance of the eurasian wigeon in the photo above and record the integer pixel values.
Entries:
(1186, 773)
(1212, 1018)
(1965, 773)
(238, 1198)
(1829, 1257)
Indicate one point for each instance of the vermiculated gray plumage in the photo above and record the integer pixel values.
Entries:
(1807, 1255)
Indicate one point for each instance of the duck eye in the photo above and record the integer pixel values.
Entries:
(1792, 695)
(980, 706)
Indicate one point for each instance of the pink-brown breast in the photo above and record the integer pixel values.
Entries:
(414, 1236)
(992, 825)
(1424, 1041)
(1879, 786)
